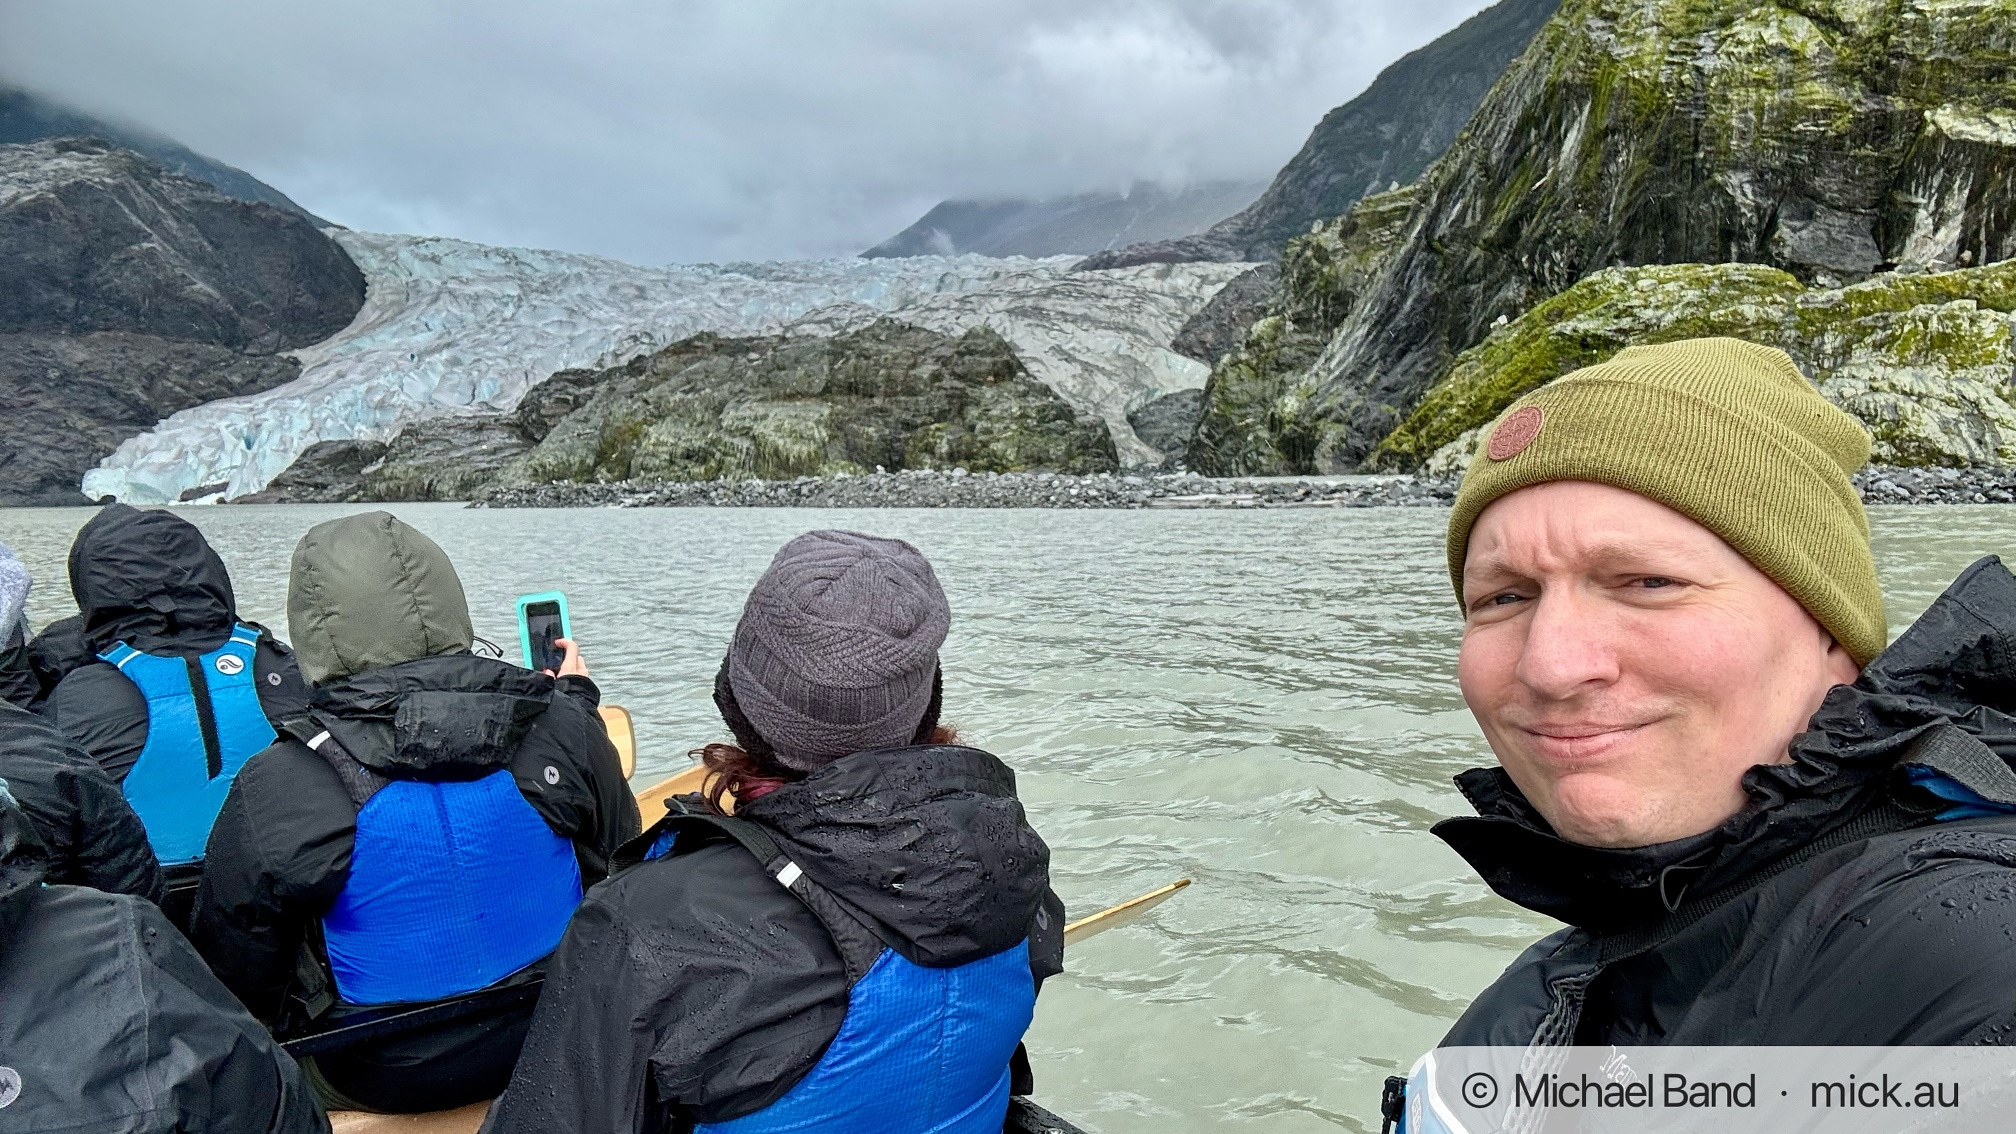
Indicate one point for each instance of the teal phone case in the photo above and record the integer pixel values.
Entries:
(525, 634)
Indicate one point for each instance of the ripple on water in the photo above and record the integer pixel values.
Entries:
(1262, 701)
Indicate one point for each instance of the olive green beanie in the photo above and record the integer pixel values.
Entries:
(1725, 432)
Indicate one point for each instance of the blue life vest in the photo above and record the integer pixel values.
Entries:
(924, 1051)
(195, 744)
(453, 886)
(921, 1050)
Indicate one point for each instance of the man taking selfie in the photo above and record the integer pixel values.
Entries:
(1761, 826)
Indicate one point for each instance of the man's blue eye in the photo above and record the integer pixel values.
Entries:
(1504, 599)
(1657, 581)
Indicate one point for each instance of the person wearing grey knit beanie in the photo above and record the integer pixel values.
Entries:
(873, 872)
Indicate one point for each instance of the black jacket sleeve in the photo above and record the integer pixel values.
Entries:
(278, 855)
(251, 1084)
(1918, 956)
(53, 653)
(687, 988)
(570, 773)
(93, 836)
(112, 1017)
(104, 714)
(18, 686)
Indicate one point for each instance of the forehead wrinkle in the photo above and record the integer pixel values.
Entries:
(1550, 555)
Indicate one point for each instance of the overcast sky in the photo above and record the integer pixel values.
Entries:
(687, 130)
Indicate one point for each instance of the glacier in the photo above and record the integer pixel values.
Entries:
(453, 327)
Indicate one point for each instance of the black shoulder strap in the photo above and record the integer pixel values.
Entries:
(858, 944)
(359, 782)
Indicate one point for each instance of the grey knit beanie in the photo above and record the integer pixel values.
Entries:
(837, 649)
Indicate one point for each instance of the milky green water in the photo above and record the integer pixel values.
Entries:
(1263, 702)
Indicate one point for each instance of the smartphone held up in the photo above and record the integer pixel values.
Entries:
(542, 623)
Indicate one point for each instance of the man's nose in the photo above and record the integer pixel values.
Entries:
(1571, 647)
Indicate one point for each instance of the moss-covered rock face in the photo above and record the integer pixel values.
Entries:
(1926, 361)
(1829, 139)
(889, 395)
(1256, 405)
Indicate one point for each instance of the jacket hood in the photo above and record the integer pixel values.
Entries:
(14, 583)
(23, 862)
(929, 841)
(457, 717)
(368, 591)
(1956, 665)
(149, 579)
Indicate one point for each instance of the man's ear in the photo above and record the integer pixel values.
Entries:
(1840, 664)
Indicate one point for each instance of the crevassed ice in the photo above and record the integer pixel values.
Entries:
(450, 327)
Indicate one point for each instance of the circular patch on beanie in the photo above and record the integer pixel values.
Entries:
(1515, 433)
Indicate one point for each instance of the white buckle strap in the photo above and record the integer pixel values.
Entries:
(789, 874)
(315, 744)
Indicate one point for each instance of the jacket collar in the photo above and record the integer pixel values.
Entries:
(450, 717)
(1956, 664)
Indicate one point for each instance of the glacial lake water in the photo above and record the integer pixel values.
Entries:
(1263, 702)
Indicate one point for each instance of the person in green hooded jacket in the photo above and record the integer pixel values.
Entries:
(423, 831)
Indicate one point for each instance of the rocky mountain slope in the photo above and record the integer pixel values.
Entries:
(1255, 414)
(1831, 140)
(889, 396)
(1079, 224)
(452, 327)
(1380, 140)
(128, 292)
(25, 117)
(1924, 360)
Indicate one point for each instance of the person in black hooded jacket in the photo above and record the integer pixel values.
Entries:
(858, 949)
(89, 833)
(149, 579)
(1762, 826)
(178, 692)
(422, 831)
(110, 1021)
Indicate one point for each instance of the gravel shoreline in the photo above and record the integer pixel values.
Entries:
(959, 489)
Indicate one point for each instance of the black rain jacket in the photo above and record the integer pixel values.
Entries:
(113, 1025)
(18, 686)
(89, 831)
(53, 653)
(149, 579)
(279, 854)
(1833, 909)
(694, 988)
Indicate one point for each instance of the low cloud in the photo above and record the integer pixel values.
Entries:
(711, 129)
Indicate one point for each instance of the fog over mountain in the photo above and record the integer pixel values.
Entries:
(713, 129)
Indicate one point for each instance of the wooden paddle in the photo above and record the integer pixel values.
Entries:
(622, 734)
(650, 801)
(1124, 913)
